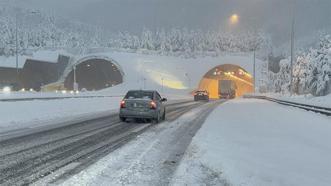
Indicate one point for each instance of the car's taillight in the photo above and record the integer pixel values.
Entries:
(153, 105)
(122, 104)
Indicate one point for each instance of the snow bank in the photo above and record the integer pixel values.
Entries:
(30, 114)
(261, 143)
(33, 94)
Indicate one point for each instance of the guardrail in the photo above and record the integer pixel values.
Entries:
(318, 109)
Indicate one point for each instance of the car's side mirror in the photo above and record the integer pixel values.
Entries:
(164, 100)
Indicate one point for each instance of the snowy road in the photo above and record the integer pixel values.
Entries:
(151, 159)
(71, 148)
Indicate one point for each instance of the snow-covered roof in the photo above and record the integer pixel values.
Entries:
(43, 55)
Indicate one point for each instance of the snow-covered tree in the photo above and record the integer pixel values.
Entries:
(311, 71)
(281, 80)
(39, 30)
(319, 78)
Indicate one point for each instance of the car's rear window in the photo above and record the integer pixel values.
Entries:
(139, 95)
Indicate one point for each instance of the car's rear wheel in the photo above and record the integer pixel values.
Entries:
(164, 115)
(123, 119)
(156, 120)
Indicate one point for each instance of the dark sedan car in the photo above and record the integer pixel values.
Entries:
(143, 104)
(201, 95)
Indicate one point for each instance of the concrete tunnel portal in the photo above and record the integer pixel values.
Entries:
(242, 79)
(94, 74)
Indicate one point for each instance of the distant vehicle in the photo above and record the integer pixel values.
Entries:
(201, 95)
(227, 89)
(143, 104)
(8, 86)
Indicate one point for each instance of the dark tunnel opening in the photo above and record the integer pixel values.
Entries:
(94, 74)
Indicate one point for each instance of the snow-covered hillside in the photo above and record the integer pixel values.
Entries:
(40, 30)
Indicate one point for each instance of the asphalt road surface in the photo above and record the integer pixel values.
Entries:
(28, 158)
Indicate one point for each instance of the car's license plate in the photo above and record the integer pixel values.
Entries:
(137, 105)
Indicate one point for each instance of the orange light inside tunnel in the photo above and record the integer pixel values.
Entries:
(238, 75)
(239, 79)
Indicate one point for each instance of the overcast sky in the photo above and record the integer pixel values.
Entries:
(133, 15)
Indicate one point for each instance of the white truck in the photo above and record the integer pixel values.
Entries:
(227, 89)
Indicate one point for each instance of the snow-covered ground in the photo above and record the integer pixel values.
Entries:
(256, 142)
(59, 94)
(29, 114)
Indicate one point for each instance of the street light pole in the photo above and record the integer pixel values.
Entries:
(16, 45)
(292, 47)
(162, 84)
(74, 84)
(16, 42)
(189, 80)
(144, 83)
(267, 76)
(254, 70)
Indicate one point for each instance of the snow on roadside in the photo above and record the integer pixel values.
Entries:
(261, 143)
(30, 114)
(33, 94)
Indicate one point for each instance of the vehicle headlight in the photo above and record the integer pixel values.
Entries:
(6, 89)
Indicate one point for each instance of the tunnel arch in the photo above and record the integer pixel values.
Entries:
(212, 80)
(95, 73)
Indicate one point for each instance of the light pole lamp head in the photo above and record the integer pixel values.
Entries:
(234, 19)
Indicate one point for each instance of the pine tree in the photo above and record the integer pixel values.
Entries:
(321, 67)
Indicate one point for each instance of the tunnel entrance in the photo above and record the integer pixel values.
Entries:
(213, 79)
(94, 74)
